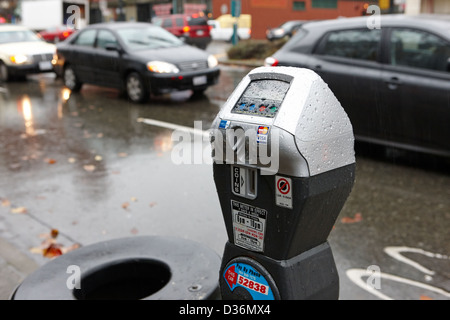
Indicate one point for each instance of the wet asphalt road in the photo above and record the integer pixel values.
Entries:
(84, 165)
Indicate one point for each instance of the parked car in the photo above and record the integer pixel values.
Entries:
(287, 29)
(192, 28)
(394, 82)
(222, 27)
(139, 58)
(23, 52)
(56, 34)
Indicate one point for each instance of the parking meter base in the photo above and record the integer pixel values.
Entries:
(311, 275)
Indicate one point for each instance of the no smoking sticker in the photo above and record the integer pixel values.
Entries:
(283, 192)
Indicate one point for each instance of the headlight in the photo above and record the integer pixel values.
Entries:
(212, 61)
(162, 67)
(279, 32)
(20, 59)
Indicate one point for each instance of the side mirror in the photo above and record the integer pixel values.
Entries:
(112, 47)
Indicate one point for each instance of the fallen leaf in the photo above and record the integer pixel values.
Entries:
(50, 161)
(357, 218)
(125, 205)
(152, 204)
(134, 231)
(133, 199)
(100, 135)
(19, 210)
(54, 233)
(5, 203)
(122, 154)
(52, 251)
(89, 167)
(424, 297)
(98, 158)
(71, 160)
(49, 248)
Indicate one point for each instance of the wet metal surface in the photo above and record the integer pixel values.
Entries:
(83, 164)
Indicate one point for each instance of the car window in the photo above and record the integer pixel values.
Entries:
(197, 21)
(86, 38)
(419, 49)
(361, 44)
(167, 23)
(105, 38)
(145, 38)
(179, 22)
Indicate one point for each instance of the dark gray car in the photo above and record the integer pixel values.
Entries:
(394, 81)
(139, 58)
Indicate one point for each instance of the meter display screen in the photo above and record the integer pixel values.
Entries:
(262, 98)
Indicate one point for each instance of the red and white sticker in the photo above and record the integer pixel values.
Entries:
(283, 192)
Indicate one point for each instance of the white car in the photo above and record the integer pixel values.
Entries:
(23, 52)
(226, 34)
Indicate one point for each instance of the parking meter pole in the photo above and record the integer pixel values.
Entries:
(278, 217)
(235, 38)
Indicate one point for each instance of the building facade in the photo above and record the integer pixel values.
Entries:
(427, 6)
(272, 13)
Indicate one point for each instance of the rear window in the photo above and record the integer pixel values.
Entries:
(193, 21)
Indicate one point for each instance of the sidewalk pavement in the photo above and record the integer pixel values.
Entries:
(15, 266)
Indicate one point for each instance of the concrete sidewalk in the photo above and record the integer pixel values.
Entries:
(15, 266)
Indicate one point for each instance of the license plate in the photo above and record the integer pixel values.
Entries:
(199, 81)
(200, 32)
(45, 65)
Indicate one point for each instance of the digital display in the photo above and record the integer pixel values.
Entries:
(262, 98)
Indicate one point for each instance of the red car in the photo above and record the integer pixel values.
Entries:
(193, 28)
(56, 34)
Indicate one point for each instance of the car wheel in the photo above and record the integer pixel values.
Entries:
(4, 74)
(136, 89)
(70, 79)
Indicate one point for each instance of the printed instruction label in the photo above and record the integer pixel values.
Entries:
(249, 226)
(283, 192)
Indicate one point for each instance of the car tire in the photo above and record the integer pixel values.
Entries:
(71, 80)
(4, 74)
(136, 88)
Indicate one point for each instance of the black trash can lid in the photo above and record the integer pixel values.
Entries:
(147, 268)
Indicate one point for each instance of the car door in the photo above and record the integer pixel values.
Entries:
(349, 62)
(107, 60)
(81, 55)
(416, 90)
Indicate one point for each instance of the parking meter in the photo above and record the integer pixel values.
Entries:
(284, 165)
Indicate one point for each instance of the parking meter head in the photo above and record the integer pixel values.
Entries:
(284, 120)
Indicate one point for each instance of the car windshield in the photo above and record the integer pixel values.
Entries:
(144, 38)
(18, 36)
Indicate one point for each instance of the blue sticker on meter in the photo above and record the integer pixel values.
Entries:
(247, 277)
(224, 124)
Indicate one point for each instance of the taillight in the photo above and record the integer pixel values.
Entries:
(65, 34)
(186, 29)
(271, 62)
